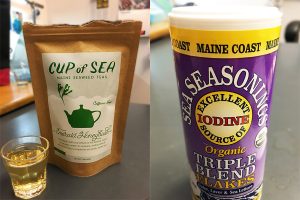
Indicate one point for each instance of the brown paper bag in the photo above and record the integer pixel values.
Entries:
(82, 78)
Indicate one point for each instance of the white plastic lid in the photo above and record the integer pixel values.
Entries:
(224, 17)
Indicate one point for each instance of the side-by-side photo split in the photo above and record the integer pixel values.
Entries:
(74, 105)
(149, 99)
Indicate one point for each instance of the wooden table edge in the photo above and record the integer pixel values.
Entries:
(14, 103)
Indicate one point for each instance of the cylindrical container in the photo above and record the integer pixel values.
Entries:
(225, 62)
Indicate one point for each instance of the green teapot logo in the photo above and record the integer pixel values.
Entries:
(82, 118)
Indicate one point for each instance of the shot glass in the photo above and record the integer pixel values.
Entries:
(25, 160)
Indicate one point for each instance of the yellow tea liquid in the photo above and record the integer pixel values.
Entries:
(27, 169)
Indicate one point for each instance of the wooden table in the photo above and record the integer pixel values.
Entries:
(13, 97)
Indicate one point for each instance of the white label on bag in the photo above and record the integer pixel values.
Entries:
(82, 90)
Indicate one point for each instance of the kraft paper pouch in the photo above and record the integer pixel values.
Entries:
(82, 77)
(225, 62)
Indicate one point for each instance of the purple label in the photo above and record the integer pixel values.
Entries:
(225, 107)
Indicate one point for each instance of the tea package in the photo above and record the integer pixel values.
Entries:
(82, 78)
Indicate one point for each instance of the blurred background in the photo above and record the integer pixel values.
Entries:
(15, 87)
(290, 8)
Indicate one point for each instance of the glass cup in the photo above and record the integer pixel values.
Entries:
(25, 159)
(22, 74)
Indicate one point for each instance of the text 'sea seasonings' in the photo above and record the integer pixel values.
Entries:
(82, 77)
(225, 62)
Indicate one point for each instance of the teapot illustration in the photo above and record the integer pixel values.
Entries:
(82, 118)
